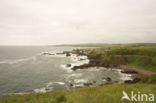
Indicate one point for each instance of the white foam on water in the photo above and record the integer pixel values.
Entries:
(68, 69)
(53, 54)
(94, 69)
(74, 57)
(41, 90)
(18, 60)
(51, 83)
(21, 93)
(80, 81)
(77, 61)
(78, 85)
(75, 75)
(124, 76)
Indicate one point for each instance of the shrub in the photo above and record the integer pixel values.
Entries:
(60, 98)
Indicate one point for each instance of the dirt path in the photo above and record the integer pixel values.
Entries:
(140, 71)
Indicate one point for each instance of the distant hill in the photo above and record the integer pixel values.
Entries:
(104, 45)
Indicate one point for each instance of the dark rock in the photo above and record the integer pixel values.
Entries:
(68, 54)
(135, 80)
(71, 84)
(107, 79)
(68, 65)
(78, 87)
(129, 72)
(94, 81)
(87, 84)
(81, 66)
(82, 59)
(59, 53)
(47, 54)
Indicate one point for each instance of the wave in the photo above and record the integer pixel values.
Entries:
(51, 83)
(17, 60)
(80, 81)
(123, 76)
(21, 93)
(41, 90)
(48, 87)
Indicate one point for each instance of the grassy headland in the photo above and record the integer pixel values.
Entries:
(138, 55)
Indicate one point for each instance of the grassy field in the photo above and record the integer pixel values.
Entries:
(100, 94)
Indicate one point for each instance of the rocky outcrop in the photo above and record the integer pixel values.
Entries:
(67, 53)
(68, 65)
(135, 80)
(107, 79)
(84, 66)
(87, 84)
(129, 72)
(47, 54)
(94, 81)
(59, 53)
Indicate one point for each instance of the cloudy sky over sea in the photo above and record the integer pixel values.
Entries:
(47, 22)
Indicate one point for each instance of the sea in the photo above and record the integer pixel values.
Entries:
(26, 69)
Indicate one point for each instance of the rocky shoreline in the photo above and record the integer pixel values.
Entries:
(93, 62)
(137, 73)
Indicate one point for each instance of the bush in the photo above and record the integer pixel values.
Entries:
(60, 98)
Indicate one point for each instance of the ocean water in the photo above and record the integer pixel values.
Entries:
(25, 69)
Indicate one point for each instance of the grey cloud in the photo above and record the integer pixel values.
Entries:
(36, 22)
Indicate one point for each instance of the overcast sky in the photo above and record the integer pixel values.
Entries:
(49, 22)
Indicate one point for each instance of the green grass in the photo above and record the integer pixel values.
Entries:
(100, 94)
(147, 66)
(142, 58)
(149, 79)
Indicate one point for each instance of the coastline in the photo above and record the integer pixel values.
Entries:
(80, 60)
(102, 90)
(135, 72)
(129, 75)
